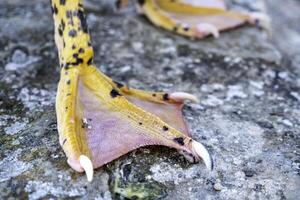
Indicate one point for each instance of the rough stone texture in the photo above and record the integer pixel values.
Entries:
(248, 116)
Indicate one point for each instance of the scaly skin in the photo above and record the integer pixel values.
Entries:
(75, 55)
(99, 119)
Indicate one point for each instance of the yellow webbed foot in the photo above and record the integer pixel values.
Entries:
(198, 18)
(112, 120)
(100, 120)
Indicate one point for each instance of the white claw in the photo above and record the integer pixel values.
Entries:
(201, 151)
(207, 29)
(260, 19)
(181, 96)
(87, 165)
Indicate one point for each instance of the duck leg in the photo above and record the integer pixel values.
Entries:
(100, 120)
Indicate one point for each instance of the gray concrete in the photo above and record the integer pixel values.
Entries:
(248, 83)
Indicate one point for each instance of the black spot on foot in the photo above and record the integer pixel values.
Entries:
(60, 31)
(165, 128)
(165, 97)
(55, 10)
(82, 19)
(114, 93)
(62, 2)
(63, 24)
(179, 140)
(81, 50)
(186, 28)
(90, 61)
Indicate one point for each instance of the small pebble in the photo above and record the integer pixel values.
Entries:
(218, 186)
(287, 122)
(16, 142)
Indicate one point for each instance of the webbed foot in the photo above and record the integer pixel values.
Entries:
(104, 120)
(198, 18)
(100, 120)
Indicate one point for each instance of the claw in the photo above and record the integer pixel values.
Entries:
(87, 165)
(260, 19)
(202, 152)
(181, 96)
(207, 29)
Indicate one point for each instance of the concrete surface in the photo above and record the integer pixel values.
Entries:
(248, 83)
